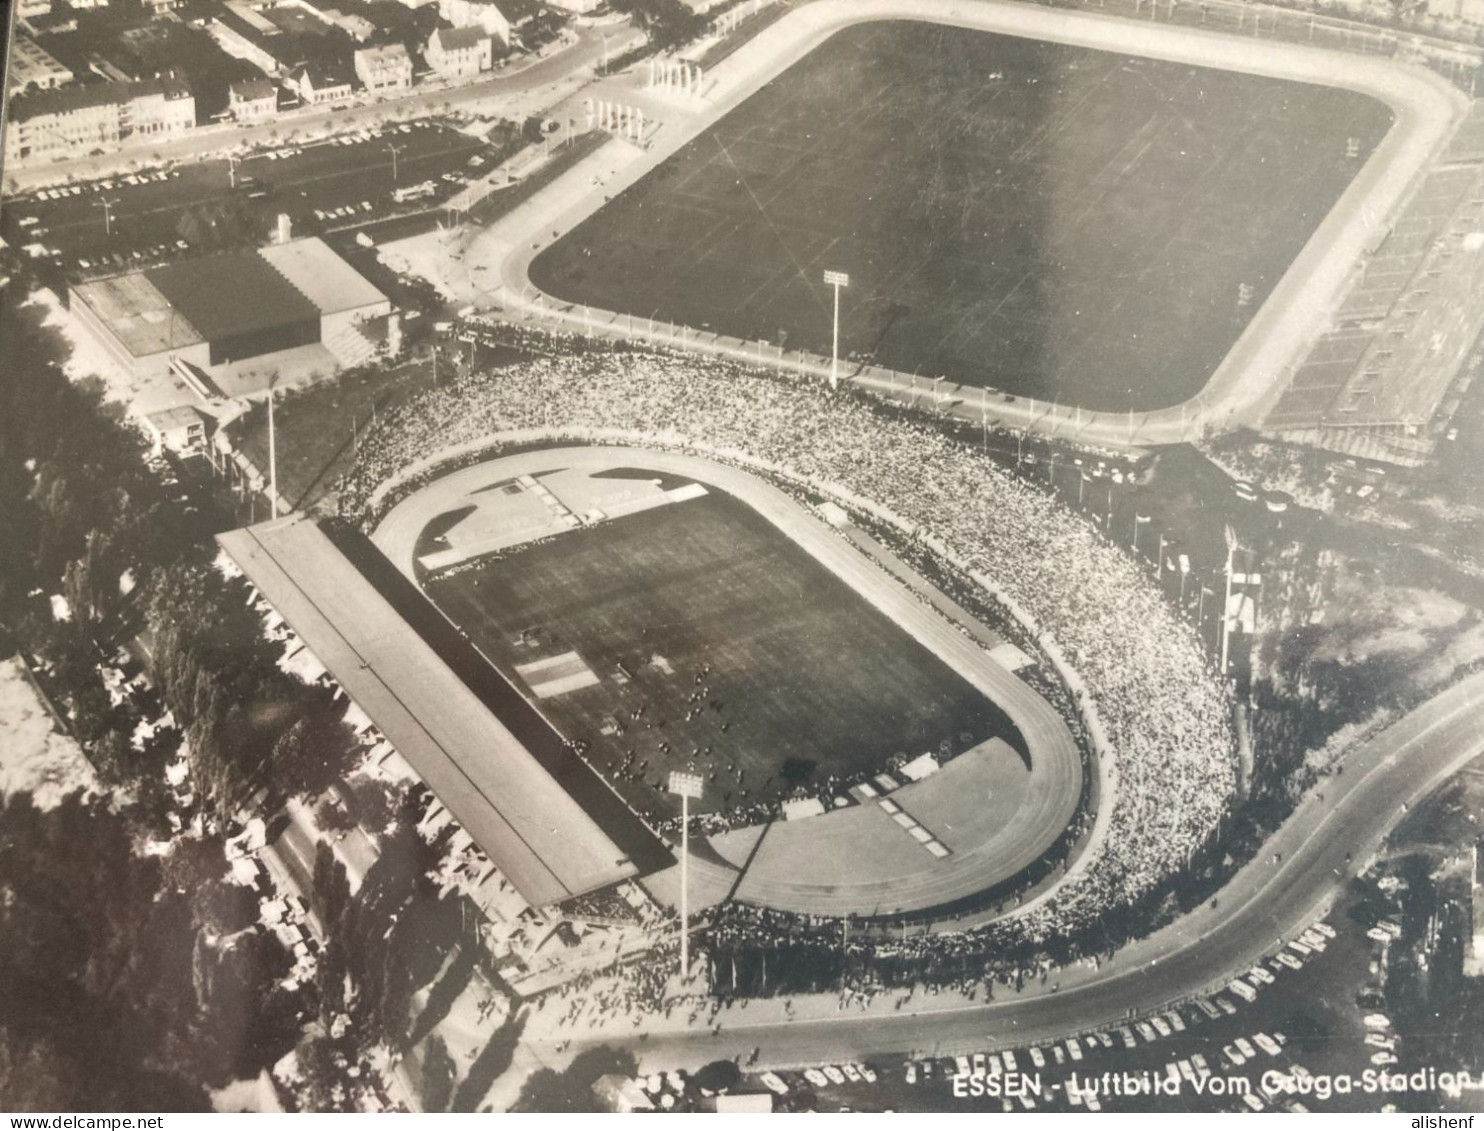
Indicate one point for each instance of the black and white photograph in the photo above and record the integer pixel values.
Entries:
(741, 556)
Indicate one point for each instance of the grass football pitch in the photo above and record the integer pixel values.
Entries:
(709, 630)
(1051, 221)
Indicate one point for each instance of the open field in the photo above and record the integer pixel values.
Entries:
(1076, 223)
(708, 630)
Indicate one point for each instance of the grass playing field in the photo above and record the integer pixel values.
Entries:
(704, 609)
(1052, 221)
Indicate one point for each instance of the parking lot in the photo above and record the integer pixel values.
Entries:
(1277, 1037)
(152, 215)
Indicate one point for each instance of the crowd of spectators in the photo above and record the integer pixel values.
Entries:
(1162, 716)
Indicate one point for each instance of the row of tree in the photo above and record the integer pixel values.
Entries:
(130, 979)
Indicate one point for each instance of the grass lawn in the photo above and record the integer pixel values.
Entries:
(703, 608)
(1048, 220)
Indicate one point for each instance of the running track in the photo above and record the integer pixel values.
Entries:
(1255, 371)
(1195, 954)
(797, 867)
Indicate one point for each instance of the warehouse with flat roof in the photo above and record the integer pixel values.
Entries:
(221, 309)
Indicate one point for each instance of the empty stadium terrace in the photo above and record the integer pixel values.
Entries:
(1377, 383)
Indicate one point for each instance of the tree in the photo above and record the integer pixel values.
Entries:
(315, 751)
(331, 817)
(439, 1071)
(572, 1089)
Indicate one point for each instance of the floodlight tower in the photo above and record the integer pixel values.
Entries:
(687, 786)
(272, 451)
(106, 203)
(836, 279)
(395, 149)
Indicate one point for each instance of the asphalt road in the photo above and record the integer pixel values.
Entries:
(1344, 819)
(559, 70)
(322, 175)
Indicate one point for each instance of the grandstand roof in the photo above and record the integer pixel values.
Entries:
(234, 293)
(321, 276)
(137, 314)
(530, 827)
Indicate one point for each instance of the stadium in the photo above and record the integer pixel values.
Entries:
(657, 562)
(715, 220)
(224, 322)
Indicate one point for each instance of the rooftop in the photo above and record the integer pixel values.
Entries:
(250, 90)
(137, 313)
(506, 800)
(231, 294)
(180, 416)
(321, 276)
(459, 38)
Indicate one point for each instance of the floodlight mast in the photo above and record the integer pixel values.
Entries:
(687, 786)
(836, 279)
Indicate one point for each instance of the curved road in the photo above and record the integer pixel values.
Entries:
(1193, 955)
(806, 867)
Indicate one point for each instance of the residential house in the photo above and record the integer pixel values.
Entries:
(252, 100)
(68, 121)
(384, 68)
(321, 81)
(486, 14)
(459, 53)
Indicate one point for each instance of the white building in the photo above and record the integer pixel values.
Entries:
(318, 83)
(459, 53)
(181, 430)
(384, 68)
(252, 100)
(486, 14)
(68, 121)
(163, 108)
(32, 67)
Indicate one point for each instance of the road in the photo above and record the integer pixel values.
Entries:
(526, 88)
(1344, 819)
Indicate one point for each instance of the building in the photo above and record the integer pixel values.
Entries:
(486, 14)
(159, 108)
(581, 7)
(251, 100)
(384, 68)
(357, 27)
(33, 68)
(486, 754)
(320, 82)
(459, 53)
(242, 38)
(195, 316)
(180, 430)
(69, 121)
